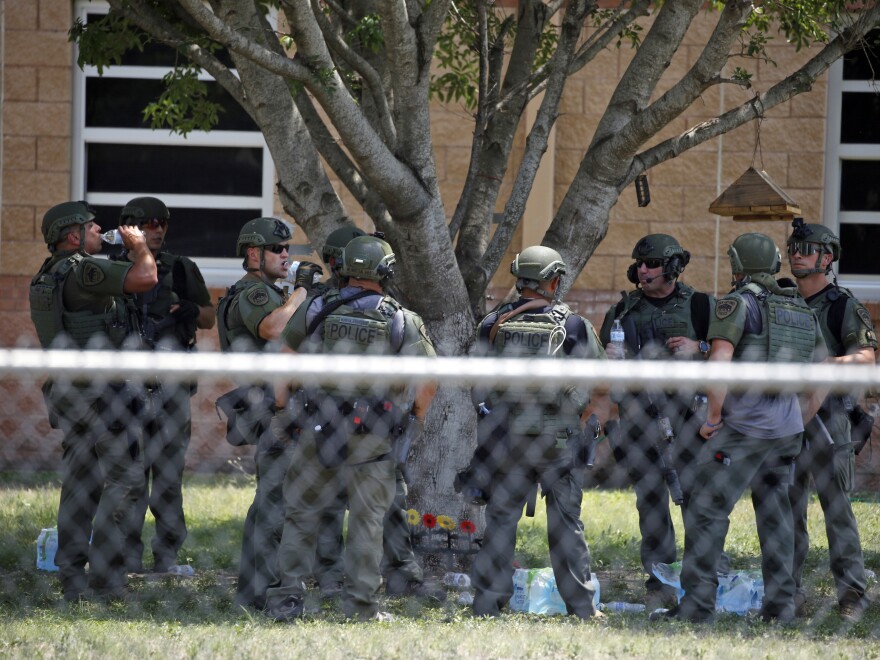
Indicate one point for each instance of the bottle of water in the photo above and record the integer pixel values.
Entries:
(618, 337)
(291, 273)
(113, 237)
(47, 546)
(460, 581)
(617, 606)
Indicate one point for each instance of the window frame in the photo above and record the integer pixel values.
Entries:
(865, 287)
(217, 271)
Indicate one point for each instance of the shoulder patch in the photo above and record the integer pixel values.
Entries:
(92, 274)
(865, 317)
(258, 296)
(725, 307)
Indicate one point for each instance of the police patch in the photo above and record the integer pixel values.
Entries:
(866, 318)
(724, 308)
(258, 296)
(92, 274)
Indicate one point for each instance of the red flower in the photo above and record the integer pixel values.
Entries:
(429, 521)
(468, 527)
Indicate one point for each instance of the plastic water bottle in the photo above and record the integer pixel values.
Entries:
(47, 546)
(113, 237)
(184, 570)
(460, 581)
(618, 337)
(618, 606)
(291, 273)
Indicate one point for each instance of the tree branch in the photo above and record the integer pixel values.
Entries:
(362, 67)
(798, 82)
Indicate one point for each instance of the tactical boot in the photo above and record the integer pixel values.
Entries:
(292, 607)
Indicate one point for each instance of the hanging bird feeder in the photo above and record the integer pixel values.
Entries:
(755, 197)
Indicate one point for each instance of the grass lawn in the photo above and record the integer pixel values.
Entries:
(172, 617)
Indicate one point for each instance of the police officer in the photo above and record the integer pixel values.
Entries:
(828, 452)
(540, 430)
(662, 319)
(752, 438)
(402, 573)
(348, 449)
(169, 315)
(250, 316)
(76, 302)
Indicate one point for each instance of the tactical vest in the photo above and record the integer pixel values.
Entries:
(153, 306)
(51, 319)
(535, 411)
(822, 306)
(350, 330)
(533, 335)
(654, 325)
(230, 325)
(787, 329)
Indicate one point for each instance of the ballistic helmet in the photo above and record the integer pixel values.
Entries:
(261, 231)
(141, 209)
(754, 253)
(64, 215)
(538, 263)
(367, 258)
(336, 241)
(813, 238)
(659, 246)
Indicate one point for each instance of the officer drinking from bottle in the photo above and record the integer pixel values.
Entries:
(78, 301)
(250, 317)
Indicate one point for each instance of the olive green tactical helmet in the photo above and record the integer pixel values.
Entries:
(818, 234)
(367, 258)
(141, 209)
(754, 253)
(657, 246)
(261, 231)
(61, 216)
(336, 241)
(538, 263)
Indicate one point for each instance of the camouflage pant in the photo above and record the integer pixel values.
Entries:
(492, 572)
(762, 465)
(310, 490)
(832, 469)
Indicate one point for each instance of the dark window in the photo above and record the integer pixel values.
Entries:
(860, 120)
(174, 169)
(858, 185)
(863, 63)
(120, 103)
(192, 232)
(858, 249)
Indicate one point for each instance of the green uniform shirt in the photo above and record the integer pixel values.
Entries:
(252, 300)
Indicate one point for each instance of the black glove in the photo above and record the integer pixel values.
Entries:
(186, 310)
(306, 275)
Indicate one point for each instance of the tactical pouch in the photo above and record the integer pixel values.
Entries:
(248, 411)
(862, 424)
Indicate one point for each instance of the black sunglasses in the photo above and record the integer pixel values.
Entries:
(650, 263)
(276, 248)
(154, 223)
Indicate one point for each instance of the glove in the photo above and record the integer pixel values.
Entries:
(282, 426)
(306, 275)
(186, 310)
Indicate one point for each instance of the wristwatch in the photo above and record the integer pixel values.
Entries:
(704, 348)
